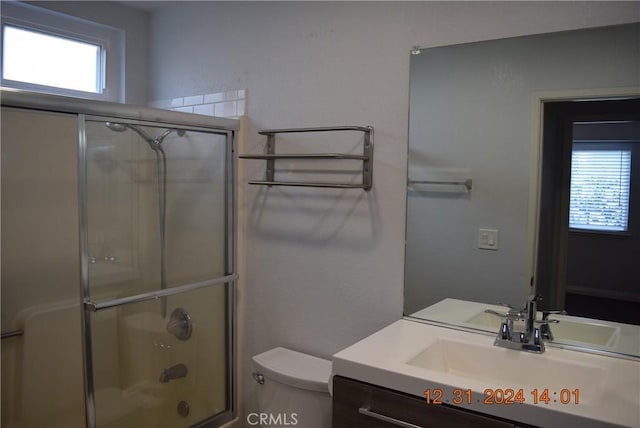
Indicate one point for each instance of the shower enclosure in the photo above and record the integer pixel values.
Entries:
(150, 341)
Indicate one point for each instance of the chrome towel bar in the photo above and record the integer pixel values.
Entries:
(303, 184)
(270, 156)
(468, 183)
(305, 156)
(321, 129)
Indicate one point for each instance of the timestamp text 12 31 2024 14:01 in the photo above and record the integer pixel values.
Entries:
(504, 396)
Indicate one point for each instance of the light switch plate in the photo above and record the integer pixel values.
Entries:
(488, 239)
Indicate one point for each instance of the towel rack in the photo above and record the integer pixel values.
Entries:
(468, 183)
(270, 156)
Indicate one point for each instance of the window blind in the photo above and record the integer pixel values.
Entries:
(599, 194)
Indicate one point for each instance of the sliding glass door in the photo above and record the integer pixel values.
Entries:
(157, 213)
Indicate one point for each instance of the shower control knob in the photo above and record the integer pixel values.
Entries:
(183, 408)
(180, 324)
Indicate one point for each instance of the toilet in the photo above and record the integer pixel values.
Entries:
(293, 390)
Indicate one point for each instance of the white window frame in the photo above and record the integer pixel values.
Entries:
(111, 41)
(604, 147)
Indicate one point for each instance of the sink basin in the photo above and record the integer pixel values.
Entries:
(485, 321)
(506, 368)
(591, 333)
(413, 357)
(565, 331)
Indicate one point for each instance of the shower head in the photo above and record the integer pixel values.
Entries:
(114, 126)
(121, 127)
(154, 143)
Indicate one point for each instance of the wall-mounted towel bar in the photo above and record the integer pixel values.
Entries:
(320, 129)
(271, 156)
(10, 334)
(468, 183)
(303, 184)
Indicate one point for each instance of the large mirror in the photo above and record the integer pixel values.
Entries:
(497, 130)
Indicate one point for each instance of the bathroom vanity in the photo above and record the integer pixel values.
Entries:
(414, 374)
(454, 361)
(354, 403)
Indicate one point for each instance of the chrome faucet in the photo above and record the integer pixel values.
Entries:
(519, 330)
(173, 372)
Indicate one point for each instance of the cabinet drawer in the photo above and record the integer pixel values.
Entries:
(358, 404)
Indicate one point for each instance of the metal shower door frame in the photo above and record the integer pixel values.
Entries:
(228, 279)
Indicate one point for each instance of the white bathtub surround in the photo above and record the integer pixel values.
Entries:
(230, 104)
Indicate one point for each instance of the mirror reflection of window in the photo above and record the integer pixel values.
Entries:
(603, 246)
(600, 182)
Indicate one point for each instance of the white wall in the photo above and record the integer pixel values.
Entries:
(325, 267)
(134, 22)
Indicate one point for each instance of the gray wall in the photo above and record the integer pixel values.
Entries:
(325, 267)
(134, 22)
(472, 107)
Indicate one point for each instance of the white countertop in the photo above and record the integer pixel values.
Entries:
(609, 396)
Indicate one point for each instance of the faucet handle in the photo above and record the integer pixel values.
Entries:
(504, 334)
(512, 315)
(536, 337)
(546, 314)
(496, 313)
(545, 317)
(505, 304)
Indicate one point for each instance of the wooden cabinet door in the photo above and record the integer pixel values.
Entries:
(358, 404)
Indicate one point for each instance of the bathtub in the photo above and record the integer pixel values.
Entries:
(43, 374)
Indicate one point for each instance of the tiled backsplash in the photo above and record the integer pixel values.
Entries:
(231, 104)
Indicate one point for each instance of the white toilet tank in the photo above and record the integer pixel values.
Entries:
(293, 390)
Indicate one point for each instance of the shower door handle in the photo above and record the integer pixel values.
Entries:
(13, 333)
(95, 306)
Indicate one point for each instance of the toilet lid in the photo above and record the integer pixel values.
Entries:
(294, 369)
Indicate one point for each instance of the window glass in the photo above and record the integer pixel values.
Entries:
(600, 181)
(44, 59)
(55, 53)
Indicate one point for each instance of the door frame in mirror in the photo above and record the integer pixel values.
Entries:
(555, 243)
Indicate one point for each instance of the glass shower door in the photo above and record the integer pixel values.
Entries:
(157, 274)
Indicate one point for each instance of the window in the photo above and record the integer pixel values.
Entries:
(49, 52)
(599, 195)
(43, 59)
